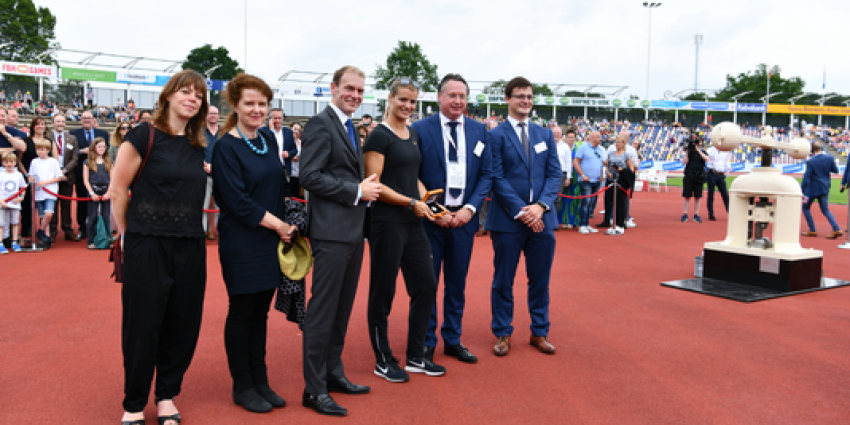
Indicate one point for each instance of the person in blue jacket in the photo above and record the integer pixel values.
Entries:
(816, 182)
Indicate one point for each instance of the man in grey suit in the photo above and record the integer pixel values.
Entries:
(66, 151)
(332, 173)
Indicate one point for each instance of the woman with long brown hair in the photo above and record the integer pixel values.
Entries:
(249, 185)
(165, 256)
(117, 138)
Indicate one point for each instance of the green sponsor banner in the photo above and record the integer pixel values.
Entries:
(536, 100)
(631, 103)
(645, 103)
(88, 75)
(618, 103)
(550, 100)
(565, 101)
(480, 98)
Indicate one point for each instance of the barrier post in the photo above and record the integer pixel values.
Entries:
(33, 246)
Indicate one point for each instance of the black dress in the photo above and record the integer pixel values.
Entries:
(246, 186)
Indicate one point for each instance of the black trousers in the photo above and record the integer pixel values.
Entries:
(619, 209)
(26, 215)
(245, 338)
(295, 187)
(163, 299)
(64, 206)
(82, 206)
(336, 271)
(393, 246)
(103, 209)
(719, 181)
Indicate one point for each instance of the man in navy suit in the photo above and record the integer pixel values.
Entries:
(816, 182)
(526, 178)
(84, 136)
(285, 141)
(455, 158)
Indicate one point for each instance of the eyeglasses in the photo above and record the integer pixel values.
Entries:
(123, 127)
(523, 96)
(407, 81)
(597, 154)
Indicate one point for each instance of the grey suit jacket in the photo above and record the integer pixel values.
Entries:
(70, 154)
(331, 171)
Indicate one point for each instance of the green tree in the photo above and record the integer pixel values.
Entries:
(498, 87)
(203, 58)
(756, 81)
(697, 96)
(407, 60)
(26, 31)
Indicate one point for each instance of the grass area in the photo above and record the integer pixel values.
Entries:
(835, 197)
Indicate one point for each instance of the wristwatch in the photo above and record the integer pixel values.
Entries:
(412, 203)
(544, 206)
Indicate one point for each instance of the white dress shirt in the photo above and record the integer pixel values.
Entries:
(461, 154)
(565, 156)
(718, 161)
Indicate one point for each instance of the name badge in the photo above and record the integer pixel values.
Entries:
(478, 149)
(457, 176)
(68, 146)
(540, 147)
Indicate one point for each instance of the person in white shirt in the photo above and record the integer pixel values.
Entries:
(565, 156)
(46, 173)
(718, 167)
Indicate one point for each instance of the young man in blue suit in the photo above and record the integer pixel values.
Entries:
(526, 176)
(816, 182)
(455, 158)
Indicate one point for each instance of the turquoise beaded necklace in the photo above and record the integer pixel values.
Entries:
(253, 148)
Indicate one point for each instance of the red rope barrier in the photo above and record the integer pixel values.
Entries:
(585, 196)
(15, 195)
(70, 198)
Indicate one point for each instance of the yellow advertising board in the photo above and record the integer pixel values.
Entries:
(775, 108)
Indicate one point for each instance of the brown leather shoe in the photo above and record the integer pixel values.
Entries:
(210, 235)
(542, 344)
(71, 237)
(503, 346)
(835, 235)
(809, 234)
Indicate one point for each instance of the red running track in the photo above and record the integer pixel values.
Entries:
(629, 350)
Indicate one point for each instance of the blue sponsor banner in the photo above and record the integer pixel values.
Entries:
(752, 107)
(671, 166)
(217, 85)
(796, 168)
(738, 166)
(645, 165)
(669, 104)
(710, 106)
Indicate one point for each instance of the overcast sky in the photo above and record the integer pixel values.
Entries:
(553, 41)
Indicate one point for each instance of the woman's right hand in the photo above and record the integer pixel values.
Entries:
(422, 211)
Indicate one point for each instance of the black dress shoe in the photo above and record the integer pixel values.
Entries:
(428, 352)
(712, 218)
(604, 224)
(81, 236)
(460, 352)
(252, 401)
(343, 385)
(270, 396)
(323, 404)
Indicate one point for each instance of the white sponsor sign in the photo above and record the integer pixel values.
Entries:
(29, 69)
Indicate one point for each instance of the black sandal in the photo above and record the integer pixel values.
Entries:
(163, 419)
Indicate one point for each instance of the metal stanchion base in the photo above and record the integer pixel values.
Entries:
(32, 248)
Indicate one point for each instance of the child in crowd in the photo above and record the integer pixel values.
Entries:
(46, 173)
(96, 174)
(11, 182)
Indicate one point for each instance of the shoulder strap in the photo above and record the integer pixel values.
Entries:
(151, 132)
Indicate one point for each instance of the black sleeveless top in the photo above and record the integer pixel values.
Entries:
(168, 198)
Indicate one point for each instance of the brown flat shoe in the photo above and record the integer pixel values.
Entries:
(835, 235)
(503, 346)
(542, 344)
(210, 235)
(809, 234)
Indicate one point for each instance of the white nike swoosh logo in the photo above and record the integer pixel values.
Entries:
(383, 369)
(420, 365)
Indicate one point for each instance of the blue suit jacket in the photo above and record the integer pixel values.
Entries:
(817, 179)
(515, 176)
(432, 169)
(288, 145)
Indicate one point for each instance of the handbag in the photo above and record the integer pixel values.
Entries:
(116, 255)
(103, 236)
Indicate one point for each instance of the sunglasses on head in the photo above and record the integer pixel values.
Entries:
(405, 81)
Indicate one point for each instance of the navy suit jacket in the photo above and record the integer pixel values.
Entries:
(516, 176)
(432, 169)
(83, 143)
(817, 178)
(288, 145)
